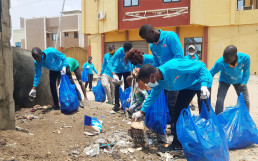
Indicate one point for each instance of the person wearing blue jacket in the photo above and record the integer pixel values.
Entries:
(164, 45)
(182, 75)
(234, 69)
(137, 58)
(107, 77)
(89, 66)
(120, 68)
(57, 63)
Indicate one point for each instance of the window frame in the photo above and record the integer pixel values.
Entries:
(54, 38)
(66, 34)
(18, 46)
(242, 6)
(171, 1)
(76, 37)
(131, 3)
(193, 43)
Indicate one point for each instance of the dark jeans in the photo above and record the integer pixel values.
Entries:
(172, 97)
(222, 92)
(53, 76)
(125, 75)
(90, 79)
(183, 100)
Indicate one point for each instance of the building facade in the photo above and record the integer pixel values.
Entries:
(42, 32)
(207, 24)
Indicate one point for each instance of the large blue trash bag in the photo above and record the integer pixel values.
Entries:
(68, 96)
(84, 75)
(201, 137)
(168, 115)
(156, 116)
(124, 95)
(238, 125)
(99, 92)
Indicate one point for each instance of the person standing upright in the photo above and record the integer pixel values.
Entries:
(89, 66)
(107, 77)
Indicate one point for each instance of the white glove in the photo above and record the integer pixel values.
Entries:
(116, 79)
(88, 67)
(32, 93)
(137, 115)
(63, 71)
(205, 92)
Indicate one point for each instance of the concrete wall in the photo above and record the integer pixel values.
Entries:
(7, 112)
(35, 33)
(23, 74)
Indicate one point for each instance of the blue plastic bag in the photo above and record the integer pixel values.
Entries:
(99, 92)
(92, 123)
(124, 95)
(84, 75)
(68, 96)
(238, 125)
(156, 116)
(201, 136)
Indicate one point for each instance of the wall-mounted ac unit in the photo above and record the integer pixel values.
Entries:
(101, 15)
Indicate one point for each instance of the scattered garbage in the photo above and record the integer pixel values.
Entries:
(75, 152)
(92, 124)
(92, 150)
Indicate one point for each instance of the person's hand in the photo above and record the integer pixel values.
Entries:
(32, 93)
(137, 115)
(63, 71)
(205, 92)
(116, 79)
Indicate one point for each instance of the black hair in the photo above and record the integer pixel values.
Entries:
(146, 70)
(144, 29)
(36, 50)
(127, 46)
(89, 57)
(229, 52)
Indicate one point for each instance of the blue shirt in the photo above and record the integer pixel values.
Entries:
(107, 66)
(239, 74)
(147, 59)
(119, 63)
(91, 67)
(179, 74)
(168, 47)
(190, 58)
(54, 61)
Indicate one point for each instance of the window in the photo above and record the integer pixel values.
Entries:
(240, 4)
(197, 42)
(75, 35)
(47, 35)
(247, 4)
(54, 37)
(66, 34)
(18, 44)
(129, 3)
(166, 1)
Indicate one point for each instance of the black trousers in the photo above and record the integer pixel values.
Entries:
(183, 100)
(53, 77)
(172, 97)
(90, 79)
(125, 75)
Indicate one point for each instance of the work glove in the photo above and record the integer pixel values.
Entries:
(63, 71)
(137, 115)
(204, 92)
(116, 79)
(32, 94)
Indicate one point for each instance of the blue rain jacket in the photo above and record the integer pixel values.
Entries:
(179, 74)
(168, 47)
(107, 66)
(190, 58)
(147, 59)
(89, 70)
(54, 61)
(239, 74)
(118, 62)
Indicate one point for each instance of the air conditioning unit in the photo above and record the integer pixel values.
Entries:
(101, 15)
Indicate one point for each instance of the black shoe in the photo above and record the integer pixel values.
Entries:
(116, 108)
(171, 147)
(55, 107)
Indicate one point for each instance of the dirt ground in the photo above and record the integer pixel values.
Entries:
(51, 135)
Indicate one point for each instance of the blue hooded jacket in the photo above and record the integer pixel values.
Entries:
(118, 62)
(107, 66)
(54, 61)
(179, 74)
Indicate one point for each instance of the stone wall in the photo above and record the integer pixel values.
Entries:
(7, 112)
(23, 72)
